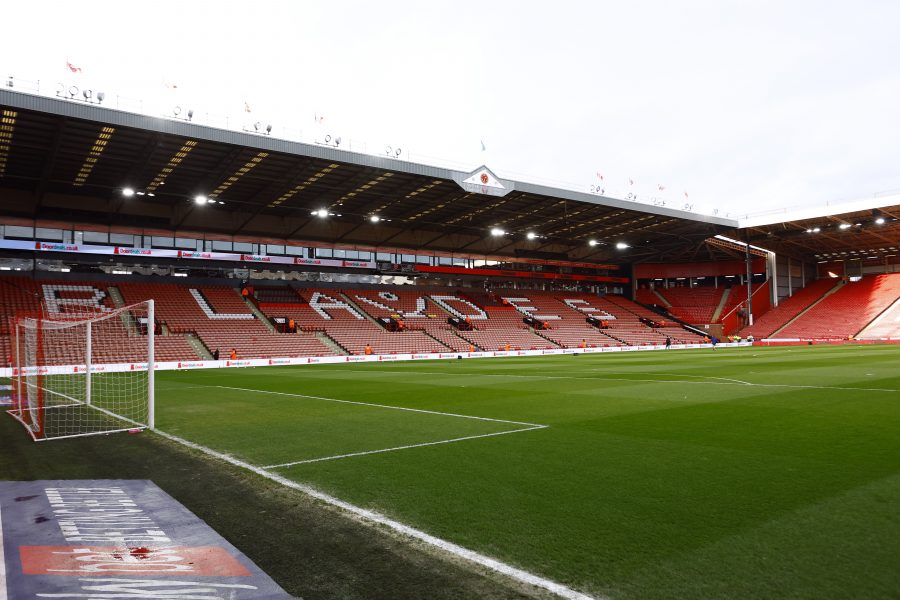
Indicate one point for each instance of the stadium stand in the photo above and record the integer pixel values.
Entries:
(17, 295)
(847, 311)
(735, 295)
(885, 326)
(666, 329)
(776, 318)
(221, 319)
(647, 296)
(694, 305)
(566, 325)
(502, 327)
(26, 296)
(418, 311)
(348, 319)
(334, 313)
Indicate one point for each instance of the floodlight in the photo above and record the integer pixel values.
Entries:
(816, 230)
(593, 242)
(190, 114)
(211, 201)
(497, 232)
(531, 235)
(621, 245)
(269, 128)
(879, 221)
(374, 218)
(87, 94)
(844, 225)
(100, 96)
(200, 199)
(321, 213)
(128, 192)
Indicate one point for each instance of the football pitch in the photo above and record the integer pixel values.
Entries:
(728, 473)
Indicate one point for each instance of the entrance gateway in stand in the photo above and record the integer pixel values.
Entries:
(116, 538)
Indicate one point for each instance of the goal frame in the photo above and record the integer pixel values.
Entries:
(29, 396)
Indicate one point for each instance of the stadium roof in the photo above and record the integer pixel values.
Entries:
(863, 233)
(66, 160)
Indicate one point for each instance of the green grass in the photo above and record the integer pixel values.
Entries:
(734, 473)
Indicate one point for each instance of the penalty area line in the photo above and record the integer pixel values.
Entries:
(365, 452)
(417, 410)
(377, 518)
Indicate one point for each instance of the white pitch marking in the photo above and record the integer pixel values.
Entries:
(374, 517)
(363, 453)
(418, 410)
(2, 563)
(683, 375)
(772, 385)
(776, 385)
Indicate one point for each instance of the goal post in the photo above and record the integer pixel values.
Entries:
(84, 373)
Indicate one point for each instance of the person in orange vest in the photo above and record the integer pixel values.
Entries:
(233, 354)
(400, 325)
(245, 292)
(471, 348)
(507, 347)
(368, 350)
(583, 344)
(292, 326)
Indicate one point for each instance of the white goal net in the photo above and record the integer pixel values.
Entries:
(84, 373)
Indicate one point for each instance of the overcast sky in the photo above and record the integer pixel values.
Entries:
(742, 107)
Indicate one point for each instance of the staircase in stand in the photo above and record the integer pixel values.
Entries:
(116, 296)
(662, 299)
(258, 313)
(331, 344)
(202, 351)
(717, 314)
